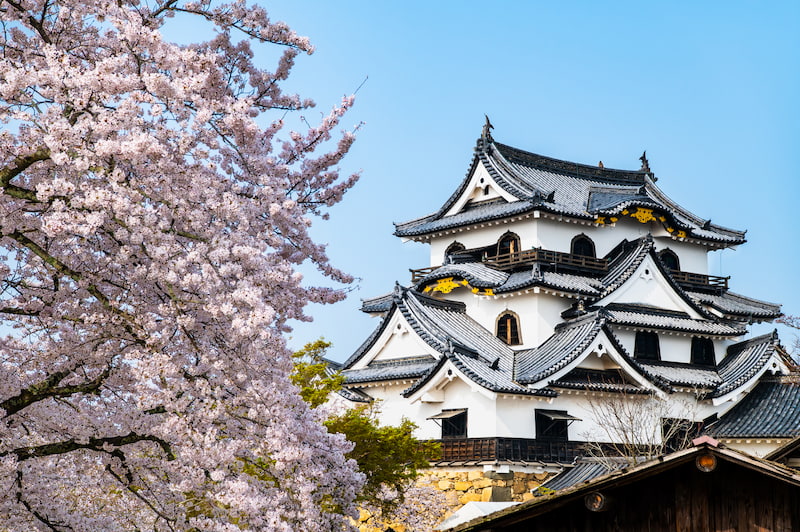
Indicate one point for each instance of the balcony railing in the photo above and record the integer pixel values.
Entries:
(418, 273)
(508, 449)
(590, 265)
(529, 256)
(699, 280)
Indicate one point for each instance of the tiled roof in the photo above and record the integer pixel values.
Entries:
(568, 282)
(625, 263)
(598, 381)
(476, 273)
(562, 187)
(478, 214)
(735, 305)
(377, 304)
(744, 360)
(471, 348)
(481, 276)
(770, 410)
(563, 347)
(650, 318)
(354, 395)
(583, 471)
(689, 375)
(404, 368)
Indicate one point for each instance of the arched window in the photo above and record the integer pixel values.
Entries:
(508, 243)
(646, 346)
(508, 328)
(455, 247)
(703, 351)
(670, 259)
(582, 245)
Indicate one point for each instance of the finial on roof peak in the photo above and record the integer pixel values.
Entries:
(645, 164)
(486, 134)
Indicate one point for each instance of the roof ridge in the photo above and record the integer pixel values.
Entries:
(584, 171)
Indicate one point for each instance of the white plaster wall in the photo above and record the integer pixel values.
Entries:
(481, 411)
(538, 312)
(647, 286)
(674, 348)
(515, 417)
(475, 190)
(594, 409)
(484, 236)
(398, 340)
(557, 236)
(693, 257)
(490, 415)
(754, 447)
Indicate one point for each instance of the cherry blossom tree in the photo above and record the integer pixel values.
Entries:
(153, 213)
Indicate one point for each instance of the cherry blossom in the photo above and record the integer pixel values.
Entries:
(153, 213)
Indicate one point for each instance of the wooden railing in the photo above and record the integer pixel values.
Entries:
(507, 449)
(700, 280)
(521, 258)
(419, 273)
(591, 264)
(511, 260)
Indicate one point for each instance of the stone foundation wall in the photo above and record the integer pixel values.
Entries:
(461, 487)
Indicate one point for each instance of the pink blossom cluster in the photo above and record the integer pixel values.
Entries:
(423, 508)
(150, 231)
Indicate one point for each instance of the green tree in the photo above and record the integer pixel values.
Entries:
(390, 456)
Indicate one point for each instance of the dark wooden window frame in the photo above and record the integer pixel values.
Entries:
(508, 328)
(552, 425)
(670, 259)
(583, 246)
(455, 426)
(508, 244)
(703, 351)
(646, 346)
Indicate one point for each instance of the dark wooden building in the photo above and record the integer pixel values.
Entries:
(703, 488)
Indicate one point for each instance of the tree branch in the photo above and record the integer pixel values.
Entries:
(19, 165)
(48, 388)
(93, 444)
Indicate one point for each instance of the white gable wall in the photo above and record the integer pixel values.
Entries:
(476, 190)
(398, 340)
(647, 286)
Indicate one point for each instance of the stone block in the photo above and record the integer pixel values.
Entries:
(519, 486)
(482, 483)
(496, 494)
(474, 475)
(470, 497)
(499, 476)
(445, 485)
(463, 485)
(527, 496)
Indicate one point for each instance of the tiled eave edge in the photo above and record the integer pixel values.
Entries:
(674, 332)
(756, 440)
(542, 213)
(403, 381)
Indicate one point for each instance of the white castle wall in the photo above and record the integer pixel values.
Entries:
(556, 235)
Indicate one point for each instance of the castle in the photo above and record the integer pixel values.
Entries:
(558, 295)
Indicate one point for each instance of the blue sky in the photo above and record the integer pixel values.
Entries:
(709, 89)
